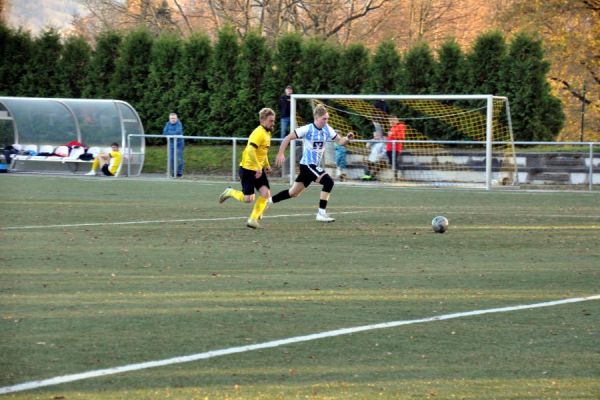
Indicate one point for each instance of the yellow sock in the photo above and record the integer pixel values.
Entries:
(259, 207)
(237, 194)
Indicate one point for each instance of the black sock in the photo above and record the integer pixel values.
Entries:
(283, 195)
(323, 204)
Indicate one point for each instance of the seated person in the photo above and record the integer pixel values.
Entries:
(376, 158)
(109, 163)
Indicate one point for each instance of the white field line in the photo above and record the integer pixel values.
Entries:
(276, 343)
(160, 221)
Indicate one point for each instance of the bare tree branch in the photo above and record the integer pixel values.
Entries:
(369, 7)
(184, 16)
(570, 89)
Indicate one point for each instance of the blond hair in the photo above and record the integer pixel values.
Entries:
(265, 113)
(319, 111)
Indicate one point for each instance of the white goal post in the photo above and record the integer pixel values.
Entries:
(445, 140)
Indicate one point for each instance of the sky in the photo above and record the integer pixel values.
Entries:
(35, 15)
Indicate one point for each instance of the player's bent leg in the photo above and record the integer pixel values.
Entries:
(232, 193)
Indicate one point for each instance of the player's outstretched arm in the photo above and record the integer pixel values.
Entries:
(282, 147)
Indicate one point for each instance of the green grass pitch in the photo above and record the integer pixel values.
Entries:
(101, 273)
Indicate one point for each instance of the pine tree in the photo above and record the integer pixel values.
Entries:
(283, 70)
(74, 66)
(353, 63)
(536, 114)
(449, 71)
(130, 80)
(449, 78)
(192, 84)
(16, 48)
(42, 76)
(386, 70)
(318, 71)
(253, 61)
(223, 85)
(102, 65)
(160, 97)
(484, 64)
(419, 70)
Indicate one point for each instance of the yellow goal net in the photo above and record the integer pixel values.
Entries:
(433, 140)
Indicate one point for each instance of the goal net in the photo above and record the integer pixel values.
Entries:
(432, 140)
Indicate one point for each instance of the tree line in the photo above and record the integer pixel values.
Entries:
(217, 87)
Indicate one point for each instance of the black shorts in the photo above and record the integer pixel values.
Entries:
(249, 181)
(105, 170)
(309, 173)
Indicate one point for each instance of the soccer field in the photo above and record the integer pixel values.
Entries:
(102, 277)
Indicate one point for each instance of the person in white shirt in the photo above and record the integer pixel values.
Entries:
(314, 137)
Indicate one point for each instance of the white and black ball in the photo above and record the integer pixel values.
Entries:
(439, 224)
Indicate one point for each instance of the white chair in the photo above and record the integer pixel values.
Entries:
(46, 148)
(30, 147)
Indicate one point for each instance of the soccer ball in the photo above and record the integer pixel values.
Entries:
(439, 224)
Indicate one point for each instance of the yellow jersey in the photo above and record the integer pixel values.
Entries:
(256, 154)
(115, 161)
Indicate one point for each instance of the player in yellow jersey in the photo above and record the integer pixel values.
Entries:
(254, 168)
(109, 163)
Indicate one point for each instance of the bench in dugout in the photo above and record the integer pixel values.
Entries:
(36, 159)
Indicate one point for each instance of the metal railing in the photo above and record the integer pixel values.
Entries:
(590, 147)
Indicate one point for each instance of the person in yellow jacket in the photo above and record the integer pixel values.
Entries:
(254, 168)
(109, 163)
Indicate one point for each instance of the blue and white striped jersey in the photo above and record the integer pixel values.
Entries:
(313, 142)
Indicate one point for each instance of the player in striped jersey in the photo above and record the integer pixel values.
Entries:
(314, 137)
(254, 168)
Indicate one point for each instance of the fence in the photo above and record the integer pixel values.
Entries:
(557, 165)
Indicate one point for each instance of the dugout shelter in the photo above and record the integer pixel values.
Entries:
(37, 126)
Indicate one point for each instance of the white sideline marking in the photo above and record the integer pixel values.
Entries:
(161, 221)
(275, 343)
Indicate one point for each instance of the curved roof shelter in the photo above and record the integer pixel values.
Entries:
(55, 122)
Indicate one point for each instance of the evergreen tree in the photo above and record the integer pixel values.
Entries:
(102, 66)
(16, 48)
(318, 71)
(253, 61)
(160, 97)
(74, 66)
(419, 72)
(484, 64)
(307, 73)
(353, 64)
(329, 67)
(536, 114)
(42, 76)
(449, 71)
(223, 85)
(419, 69)
(386, 70)
(449, 78)
(130, 80)
(192, 84)
(283, 71)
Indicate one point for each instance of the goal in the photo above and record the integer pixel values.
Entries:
(429, 140)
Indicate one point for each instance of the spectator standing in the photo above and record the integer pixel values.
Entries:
(394, 150)
(341, 162)
(376, 157)
(381, 116)
(284, 111)
(174, 127)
